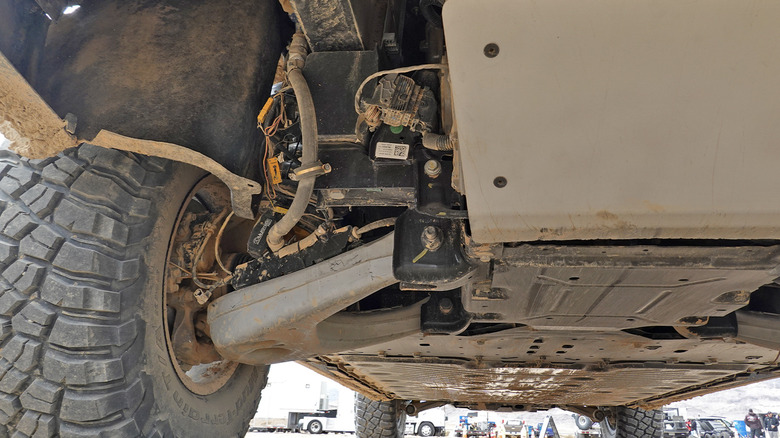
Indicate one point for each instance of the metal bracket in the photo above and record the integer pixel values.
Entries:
(241, 189)
(312, 170)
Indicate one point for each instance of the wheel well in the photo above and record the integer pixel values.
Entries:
(152, 71)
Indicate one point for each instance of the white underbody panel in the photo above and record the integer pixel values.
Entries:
(614, 119)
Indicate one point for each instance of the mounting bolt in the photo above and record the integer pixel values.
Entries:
(432, 168)
(432, 238)
(491, 50)
(445, 306)
(499, 182)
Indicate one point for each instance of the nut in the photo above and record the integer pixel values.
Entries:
(445, 306)
(432, 238)
(432, 168)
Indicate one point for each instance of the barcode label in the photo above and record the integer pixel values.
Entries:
(396, 151)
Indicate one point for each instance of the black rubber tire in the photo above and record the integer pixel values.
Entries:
(426, 429)
(583, 422)
(83, 242)
(634, 423)
(314, 427)
(379, 419)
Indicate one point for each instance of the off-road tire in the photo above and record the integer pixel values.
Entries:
(83, 353)
(635, 423)
(379, 419)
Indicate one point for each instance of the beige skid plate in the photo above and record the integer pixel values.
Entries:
(617, 119)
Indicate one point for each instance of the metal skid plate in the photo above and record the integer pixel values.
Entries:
(611, 119)
(537, 368)
(595, 287)
(449, 380)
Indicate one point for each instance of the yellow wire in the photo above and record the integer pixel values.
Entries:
(420, 255)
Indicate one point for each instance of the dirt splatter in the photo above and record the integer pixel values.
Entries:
(33, 129)
(606, 215)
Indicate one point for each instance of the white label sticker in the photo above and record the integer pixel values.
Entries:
(396, 151)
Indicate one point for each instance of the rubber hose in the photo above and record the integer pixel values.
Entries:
(438, 142)
(431, 10)
(305, 188)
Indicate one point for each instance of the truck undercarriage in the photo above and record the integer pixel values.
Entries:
(503, 205)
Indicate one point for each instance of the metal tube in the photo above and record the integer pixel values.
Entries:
(278, 320)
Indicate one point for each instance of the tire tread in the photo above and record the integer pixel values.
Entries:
(378, 419)
(68, 252)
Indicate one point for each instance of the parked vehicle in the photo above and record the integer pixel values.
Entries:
(497, 204)
(287, 401)
(336, 420)
(480, 429)
(714, 427)
(427, 423)
(675, 425)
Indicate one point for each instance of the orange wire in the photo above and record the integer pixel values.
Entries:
(269, 132)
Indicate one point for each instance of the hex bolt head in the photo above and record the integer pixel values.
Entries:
(432, 238)
(446, 306)
(432, 168)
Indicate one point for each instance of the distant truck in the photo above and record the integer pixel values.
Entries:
(336, 420)
(341, 419)
(308, 402)
(715, 427)
(674, 424)
(427, 423)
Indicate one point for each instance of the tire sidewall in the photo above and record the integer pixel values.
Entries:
(223, 413)
(427, 429)
(608, 428)
(314, 427)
